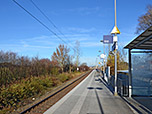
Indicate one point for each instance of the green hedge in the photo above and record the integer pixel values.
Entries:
(12, 95)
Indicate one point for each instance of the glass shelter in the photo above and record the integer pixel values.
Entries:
(140, 64)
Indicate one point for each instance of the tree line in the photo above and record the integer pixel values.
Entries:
(121, 63)
(14, 68)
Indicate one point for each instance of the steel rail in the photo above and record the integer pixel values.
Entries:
(45, 99)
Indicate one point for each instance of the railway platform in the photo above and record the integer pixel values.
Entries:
(91, 96)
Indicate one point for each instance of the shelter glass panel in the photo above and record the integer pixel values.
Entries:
(142, 74)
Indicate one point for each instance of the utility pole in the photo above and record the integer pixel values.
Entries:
(115, 31)
(103, 57)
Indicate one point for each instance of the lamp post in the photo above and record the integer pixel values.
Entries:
(115, 31)
(96, 63)
(103, 57)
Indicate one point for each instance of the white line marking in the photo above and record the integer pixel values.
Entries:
(52, 109)
(78, 105)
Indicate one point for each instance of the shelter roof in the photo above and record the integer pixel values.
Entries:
(143, 41)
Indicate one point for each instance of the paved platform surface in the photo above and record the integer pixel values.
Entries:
(145, 101)
(91, 96)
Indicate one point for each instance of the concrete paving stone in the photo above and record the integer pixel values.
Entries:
(90, 97)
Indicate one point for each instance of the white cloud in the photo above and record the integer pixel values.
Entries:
(80, 11)
(39, 42)
(48, 43)
(91, 44)
(81, 30)
(83, 10)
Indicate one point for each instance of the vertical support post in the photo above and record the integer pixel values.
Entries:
(108, 73)
(115, 31)
(116, 71)
(115, 56)
(103, 69)
(104, 61)
(130, 74)
(115, 15)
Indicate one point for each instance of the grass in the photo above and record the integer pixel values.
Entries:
(20, 93)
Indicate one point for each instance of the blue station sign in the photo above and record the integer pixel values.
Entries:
(107, 39)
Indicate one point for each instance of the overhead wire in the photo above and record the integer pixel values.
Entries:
(41, 22)
(48, 19)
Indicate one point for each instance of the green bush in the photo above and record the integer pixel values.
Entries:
(63, 77)
(47, 83)
(17, 93)
(6, 76)
(12, 95)
(54, 71)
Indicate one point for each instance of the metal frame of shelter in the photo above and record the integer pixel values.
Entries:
(143, 44)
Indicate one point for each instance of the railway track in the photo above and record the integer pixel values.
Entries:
(46, 103)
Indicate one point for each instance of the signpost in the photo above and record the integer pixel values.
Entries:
(107, 39)
(103, 56)
(115, 31)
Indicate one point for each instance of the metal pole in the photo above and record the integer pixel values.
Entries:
(115, 31)
(130, 75)
(96, 62)
(115, 93)
(104, 61)
(115, 15)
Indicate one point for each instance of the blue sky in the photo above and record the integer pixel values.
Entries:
(83, 20)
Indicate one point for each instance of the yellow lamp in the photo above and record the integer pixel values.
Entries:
(115, 30)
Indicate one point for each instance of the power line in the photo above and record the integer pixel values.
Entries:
(40, 22)
(49, 19)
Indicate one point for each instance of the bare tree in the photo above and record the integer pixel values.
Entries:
(145, 21)
(69, 62)
(77, 53)
(61, 56)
